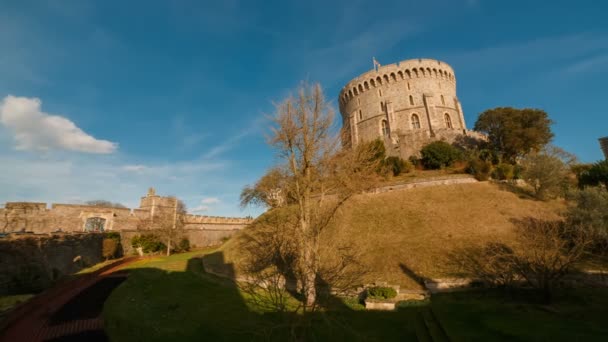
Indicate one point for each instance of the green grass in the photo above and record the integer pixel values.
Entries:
(8, 302)
(574, 315)
(171, 298)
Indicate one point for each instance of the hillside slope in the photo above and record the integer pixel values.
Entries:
(403, 234)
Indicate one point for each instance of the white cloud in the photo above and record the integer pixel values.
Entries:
(210, 200)
(134, 168)
(199, 209)
(34, 129)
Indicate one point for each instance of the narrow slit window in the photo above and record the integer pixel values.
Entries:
(385, 128)
(448, 121)
(415, 121)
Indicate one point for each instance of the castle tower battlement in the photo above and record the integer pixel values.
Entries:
(406, 104)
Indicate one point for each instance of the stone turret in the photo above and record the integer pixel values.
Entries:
(407, 105)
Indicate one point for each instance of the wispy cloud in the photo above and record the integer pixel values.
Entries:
(593, 63)
(231, 142)
(200, 209)
(205, 204)
(210, 200)
(529, 55)
(36, 130)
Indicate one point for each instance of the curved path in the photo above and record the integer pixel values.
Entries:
(70, 311)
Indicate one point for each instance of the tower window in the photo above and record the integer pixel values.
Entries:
(360, 115)
(408, 86)
(385, 131)
(358, 101)
(415, 121)
(448, 121)
(442, 100)
(380, 92)
(411, 100)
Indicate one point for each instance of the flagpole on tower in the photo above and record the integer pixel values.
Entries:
(376, 64)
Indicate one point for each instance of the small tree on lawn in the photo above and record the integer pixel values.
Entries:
(167, 224)
(317, 178)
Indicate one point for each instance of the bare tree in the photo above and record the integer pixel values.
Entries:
(543, 253)
(316, 178)
(167, 224)
(104, 203)
(548, 251)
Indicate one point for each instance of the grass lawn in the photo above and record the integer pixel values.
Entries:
(574, 315)
(171, 298)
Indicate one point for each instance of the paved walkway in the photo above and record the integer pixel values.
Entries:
(70, 311)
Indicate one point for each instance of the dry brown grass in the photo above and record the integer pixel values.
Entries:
(411, 232)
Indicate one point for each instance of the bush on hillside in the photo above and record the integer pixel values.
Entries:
(439, 154)
(381, 292)
(397, 165)
(503, 171)
(545, 173)
(149, 243)
(480, 169)
(596, 174)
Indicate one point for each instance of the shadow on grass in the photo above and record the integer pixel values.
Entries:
(192, 305)
(156, 305)
(521, 193)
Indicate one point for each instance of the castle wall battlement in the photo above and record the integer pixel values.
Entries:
(37, 218)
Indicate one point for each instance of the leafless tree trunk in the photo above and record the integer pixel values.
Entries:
(316, 178)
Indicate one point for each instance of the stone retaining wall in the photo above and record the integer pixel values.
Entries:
(31, 263)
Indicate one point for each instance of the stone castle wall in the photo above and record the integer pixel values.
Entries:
(31, 263)
(37, 218)
(408, 105)
(604, 146)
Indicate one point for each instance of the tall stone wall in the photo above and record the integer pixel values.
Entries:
(407, 105)
(36, 218)
(31, 263)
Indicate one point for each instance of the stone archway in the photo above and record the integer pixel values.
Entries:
(97, 222)
(94, 224)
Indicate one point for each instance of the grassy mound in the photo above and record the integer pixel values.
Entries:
(404, 235)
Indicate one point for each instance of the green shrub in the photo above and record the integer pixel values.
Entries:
(112, 235)
(480, 169)
(381, 292)
(397, 165)
(110, 248)
(183, 245)
(149, 243)
(595, 175)
(503, 171)
(439, 154)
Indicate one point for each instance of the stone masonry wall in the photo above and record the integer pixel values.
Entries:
(31, 263)
(407, 104)
(36, 218)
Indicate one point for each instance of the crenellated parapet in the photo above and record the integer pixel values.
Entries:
(406, 105)
(217, 219)
(37, 218)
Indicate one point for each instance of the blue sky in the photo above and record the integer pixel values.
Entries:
(104, 99)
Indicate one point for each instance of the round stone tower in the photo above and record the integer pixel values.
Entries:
(408, 105)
